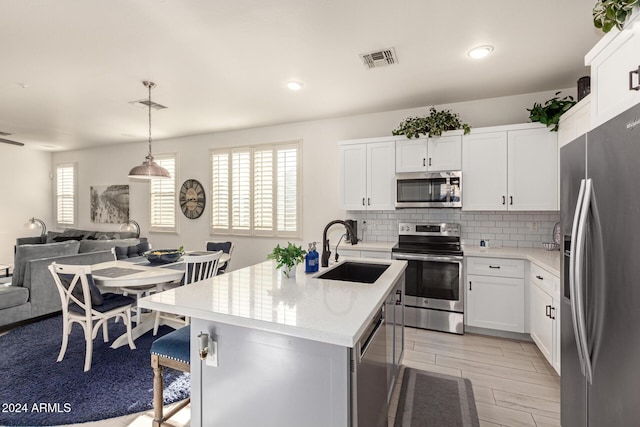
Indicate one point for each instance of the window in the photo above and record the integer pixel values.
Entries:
(163, 196)
(256, 190)
(66, 195)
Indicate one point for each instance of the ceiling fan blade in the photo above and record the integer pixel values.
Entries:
(8, 141)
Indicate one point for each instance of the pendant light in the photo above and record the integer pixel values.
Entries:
(149, 169)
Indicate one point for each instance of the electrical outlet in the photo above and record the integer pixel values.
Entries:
(212, 355)
(534, 226)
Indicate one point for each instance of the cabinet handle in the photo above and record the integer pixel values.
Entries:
(552, 314)
(511, 200)
(424, 162)
(429, 161)
(494, 266)
(363, 201)
(398, 297)
(470, 288)
(539, 277)
(369, 201)
(631, 73)
(504, 200)
(547, 310)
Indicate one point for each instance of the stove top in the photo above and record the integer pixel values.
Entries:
(441, 238)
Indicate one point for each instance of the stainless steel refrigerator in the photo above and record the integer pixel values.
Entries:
(600, 321)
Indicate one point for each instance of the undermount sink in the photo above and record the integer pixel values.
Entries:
(361, 272)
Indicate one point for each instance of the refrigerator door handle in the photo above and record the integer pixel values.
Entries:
(579, 283)
(572, 279)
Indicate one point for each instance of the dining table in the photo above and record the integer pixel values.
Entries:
(138, 276)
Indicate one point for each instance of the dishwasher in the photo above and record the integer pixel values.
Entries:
(369, 375)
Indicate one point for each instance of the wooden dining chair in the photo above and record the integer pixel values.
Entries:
(169, 351)
(226, 247)
(83, 303)
(198, 267)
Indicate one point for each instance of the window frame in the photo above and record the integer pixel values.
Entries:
(61, 225)
(251, 231)
(174, 227)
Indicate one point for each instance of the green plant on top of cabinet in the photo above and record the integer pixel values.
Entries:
(549, 114)
(367, 173)
(514, 169)
(442, 153)
(612, 13)
(432, 125)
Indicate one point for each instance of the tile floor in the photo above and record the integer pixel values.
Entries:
(512, 382)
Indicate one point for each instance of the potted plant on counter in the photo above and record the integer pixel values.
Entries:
(287, 258)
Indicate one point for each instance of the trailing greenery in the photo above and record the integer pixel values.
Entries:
(549, 113)
(432, 125)
(610, 13)
(289, 256)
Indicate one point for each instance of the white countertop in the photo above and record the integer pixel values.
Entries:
(549, 260)
(259, 297)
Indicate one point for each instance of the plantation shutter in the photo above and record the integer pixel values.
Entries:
(163, 196)
(220, 191)
(263, 190)
(256, 190)
(287, 202)
(66, 195)
(241, 190)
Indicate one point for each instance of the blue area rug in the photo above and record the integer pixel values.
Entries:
(36, 390)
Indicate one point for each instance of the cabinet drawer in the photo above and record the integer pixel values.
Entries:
(547, 281)
(498, 267)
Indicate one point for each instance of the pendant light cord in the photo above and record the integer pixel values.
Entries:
(149, 86)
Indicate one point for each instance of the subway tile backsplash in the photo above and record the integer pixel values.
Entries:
(502, 229)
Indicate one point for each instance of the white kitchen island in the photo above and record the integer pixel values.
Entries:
(286, 347)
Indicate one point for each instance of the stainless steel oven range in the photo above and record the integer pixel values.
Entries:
(434, 296)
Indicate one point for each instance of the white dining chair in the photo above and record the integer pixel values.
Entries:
(83, 303)
(197, 267)
(226, 247)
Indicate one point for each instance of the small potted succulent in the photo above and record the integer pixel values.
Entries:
(287, 258)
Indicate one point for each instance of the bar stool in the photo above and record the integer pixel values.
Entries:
(171, 351)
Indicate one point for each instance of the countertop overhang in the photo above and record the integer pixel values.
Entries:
(260, 297)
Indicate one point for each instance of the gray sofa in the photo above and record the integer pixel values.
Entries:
(32, 292)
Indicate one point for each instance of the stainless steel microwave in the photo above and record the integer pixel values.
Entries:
(429, 190)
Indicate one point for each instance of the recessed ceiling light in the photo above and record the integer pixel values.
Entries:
(293, 85)
(480, 51)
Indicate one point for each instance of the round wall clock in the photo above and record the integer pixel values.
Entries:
(192, 198)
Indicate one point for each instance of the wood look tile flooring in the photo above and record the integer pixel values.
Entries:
(512, 382)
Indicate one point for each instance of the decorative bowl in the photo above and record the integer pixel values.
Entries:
(550, 246)
(163, 256)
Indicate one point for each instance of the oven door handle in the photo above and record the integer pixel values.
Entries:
(435, 258)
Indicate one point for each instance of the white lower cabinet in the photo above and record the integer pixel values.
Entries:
(544, 312)
(495, 294)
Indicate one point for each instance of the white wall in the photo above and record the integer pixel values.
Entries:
(26, 192)
(110, 165)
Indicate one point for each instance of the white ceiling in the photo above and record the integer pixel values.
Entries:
(222, 65)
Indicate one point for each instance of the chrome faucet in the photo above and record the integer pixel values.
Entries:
(326, 250)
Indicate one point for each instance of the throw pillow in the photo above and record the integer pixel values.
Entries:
(65, 238)
(122, 252)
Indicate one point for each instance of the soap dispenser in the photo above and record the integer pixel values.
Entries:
(315, 261)
(308, 260)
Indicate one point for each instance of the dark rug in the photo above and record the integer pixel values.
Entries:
(431, 399)
(36, 390)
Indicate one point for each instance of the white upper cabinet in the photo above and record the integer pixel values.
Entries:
(367, 173)
(575, 122)
(484, 171)
(533, 170)
(513, 169)
(615, 71)
(429, 154)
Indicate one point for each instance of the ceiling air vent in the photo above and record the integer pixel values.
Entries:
(379, 58)
(145, 102)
